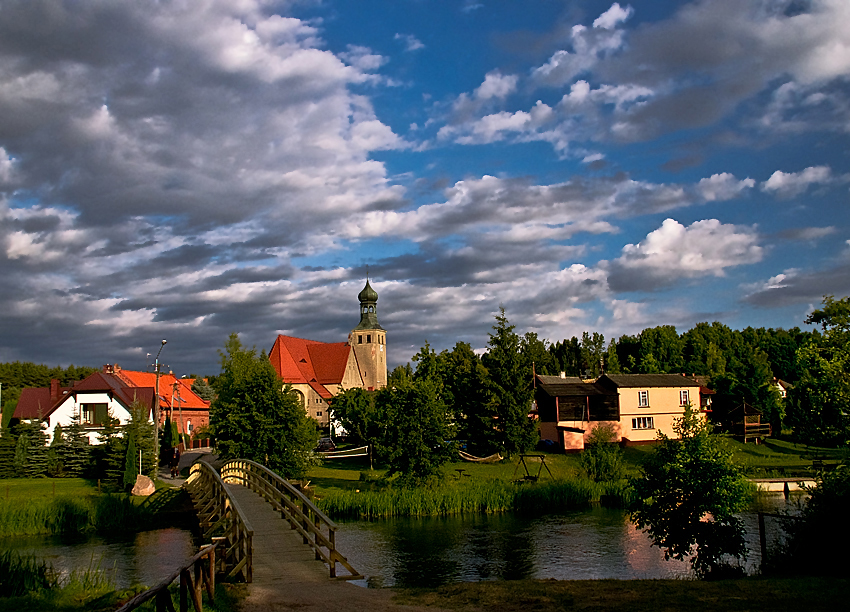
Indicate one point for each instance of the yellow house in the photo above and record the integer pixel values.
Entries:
(638, 406)
(650, 403)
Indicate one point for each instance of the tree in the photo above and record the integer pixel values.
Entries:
(202, 389)
(688, 495)
(131, 464)
(56, 453)
(512, 389)
(356, 411)
(536, 355)
(77, 451)
(417, 434)
(255, 417)
(468, 393)
(820, 402)
(592, 354)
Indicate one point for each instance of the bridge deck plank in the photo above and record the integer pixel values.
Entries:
(279, 554)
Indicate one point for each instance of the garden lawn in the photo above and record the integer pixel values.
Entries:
(38, 488)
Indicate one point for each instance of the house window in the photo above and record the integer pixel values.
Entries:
(643, 423)
(643, 399)
(683, 397)
(189, 427)
(93, 415)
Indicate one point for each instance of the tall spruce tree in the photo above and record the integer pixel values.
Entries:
(516, 432)
(37, 460)
(56, 453)
(77, 449)
(131, 463)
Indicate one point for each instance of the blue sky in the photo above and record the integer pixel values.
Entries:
(184, 171)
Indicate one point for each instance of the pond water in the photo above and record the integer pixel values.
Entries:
(587, 544)
(427, 552)
(145, 558)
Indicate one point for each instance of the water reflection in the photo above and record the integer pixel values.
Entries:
(592, 544)
(145, 558)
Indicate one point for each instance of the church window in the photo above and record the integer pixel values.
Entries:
(368, 338)
(371, 309)
(359, 338)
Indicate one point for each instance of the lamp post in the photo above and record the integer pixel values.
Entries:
(156, 366)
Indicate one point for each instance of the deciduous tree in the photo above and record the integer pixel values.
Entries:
(688, 496)
(255, 417)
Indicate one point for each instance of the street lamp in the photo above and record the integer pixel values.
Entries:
(156, 366)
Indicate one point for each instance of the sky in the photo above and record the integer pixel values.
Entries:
(183, 170)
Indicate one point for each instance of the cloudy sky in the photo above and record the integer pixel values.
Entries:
(188, 169)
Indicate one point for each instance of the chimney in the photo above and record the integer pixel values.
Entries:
(563, 374)
(54, 389)
(107, 369)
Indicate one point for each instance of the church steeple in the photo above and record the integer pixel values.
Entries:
(369, 341)
(368, 308)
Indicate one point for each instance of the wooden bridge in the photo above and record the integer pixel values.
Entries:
(259, 519)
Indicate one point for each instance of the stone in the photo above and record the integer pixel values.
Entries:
(144, 486)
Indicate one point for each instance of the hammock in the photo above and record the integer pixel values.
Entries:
(491, 459)
(351, 452)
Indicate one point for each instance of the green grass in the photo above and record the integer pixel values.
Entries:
(74, 506)
(45, 488)
(749, 594)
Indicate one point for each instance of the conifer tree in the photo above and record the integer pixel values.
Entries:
(19, 462)
(36, 462)
(77, 449)
(131, 464)
(7, 454)
(56, 453)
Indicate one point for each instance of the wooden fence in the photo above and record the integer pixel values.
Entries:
(317, 530)
(218, 513)
(203, 565)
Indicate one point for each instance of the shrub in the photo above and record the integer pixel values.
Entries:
(602, 458)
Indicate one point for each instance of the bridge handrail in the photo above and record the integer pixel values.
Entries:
(217, 509)
(188, 585)
(294, 506)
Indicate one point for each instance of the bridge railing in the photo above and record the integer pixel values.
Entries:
(203, 564)
(219, 513)
(317, 530)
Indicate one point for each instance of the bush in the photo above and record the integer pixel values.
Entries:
(602, 458)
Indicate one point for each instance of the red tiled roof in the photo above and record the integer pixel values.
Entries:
(188, 398)
(300, 361)
(34, 404)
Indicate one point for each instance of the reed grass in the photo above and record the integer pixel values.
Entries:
(20, 575)
(69, 516)
(475, 496)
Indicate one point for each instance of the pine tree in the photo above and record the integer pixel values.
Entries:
(37, 461)
(19, 462)
(512, 387)
(77, 450)
(131, 465)
(56, 453)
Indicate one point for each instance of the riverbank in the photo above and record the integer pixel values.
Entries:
(750, 594)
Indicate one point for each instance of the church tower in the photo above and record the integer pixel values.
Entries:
(369, 341)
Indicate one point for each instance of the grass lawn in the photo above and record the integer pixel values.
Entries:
(750, 594)
(43, 488)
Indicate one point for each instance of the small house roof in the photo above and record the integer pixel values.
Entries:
(648, 380)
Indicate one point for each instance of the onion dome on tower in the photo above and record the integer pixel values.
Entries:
(368, 308)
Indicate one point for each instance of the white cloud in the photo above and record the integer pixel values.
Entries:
(496, 85)
(673, 251)
(613, 16)
(790, 184)
(722, 187)
(411, 43)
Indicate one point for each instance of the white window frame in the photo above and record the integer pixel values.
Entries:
(684, 397)
(646, 422)
(643, 399)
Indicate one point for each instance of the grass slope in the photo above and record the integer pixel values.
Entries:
(750, 594)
